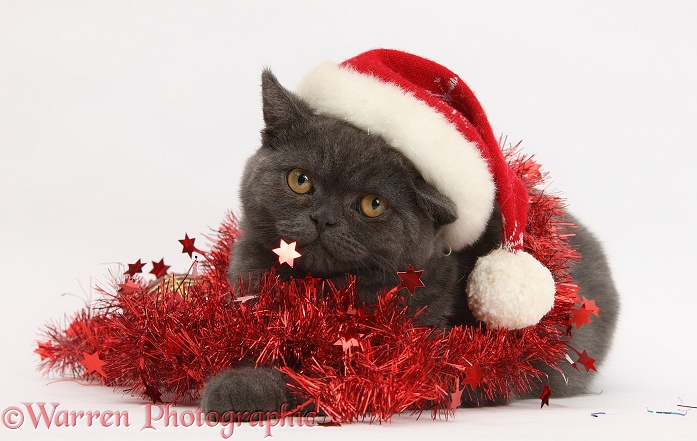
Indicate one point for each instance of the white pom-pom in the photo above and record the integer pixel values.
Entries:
(510, 290)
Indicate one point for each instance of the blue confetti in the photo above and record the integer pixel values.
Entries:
(664, 412)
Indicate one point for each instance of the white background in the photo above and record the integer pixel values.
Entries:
(125, 124)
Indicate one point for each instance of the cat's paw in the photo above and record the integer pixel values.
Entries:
(231, 394)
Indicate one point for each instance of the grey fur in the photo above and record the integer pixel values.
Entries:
(592, 274)
(242, 390)
(346, 163)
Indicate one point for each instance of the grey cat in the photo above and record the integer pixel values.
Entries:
(356, 205)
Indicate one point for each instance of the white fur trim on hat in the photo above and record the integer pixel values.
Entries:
(510, 289)
(445, 158)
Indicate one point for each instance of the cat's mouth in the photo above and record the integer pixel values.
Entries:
(321, 259)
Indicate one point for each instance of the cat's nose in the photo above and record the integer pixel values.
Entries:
(322, 221)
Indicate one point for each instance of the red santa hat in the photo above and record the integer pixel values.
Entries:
(428, 113)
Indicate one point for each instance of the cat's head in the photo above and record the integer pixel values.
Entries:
(349, 200)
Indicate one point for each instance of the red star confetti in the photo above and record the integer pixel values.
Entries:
(346, 344)
(456, 397)
(581, 316)
(188, 244)
(473, 376)
(591, 306)
(135, 268)
(129, 287)
(286, 253)
(586, 361)
(93, 363)
(411, 279)
(312, 281)
(153, 393)
(348, 340)
(159, 269)
(544, 396)
(46, 351)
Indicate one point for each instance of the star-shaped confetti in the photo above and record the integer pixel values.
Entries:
(346, 344)
(411, 279)
(129, 287)
(312, 281)
(46, 351)
(135, 268)
(159, 269)
(473, 376)
(581, 316)
(586, 361)
(456, 397)
(544, 396)
(591, 306)
(286, 253)
(348, 340)
(188, 244)
(152, 393)
(93, 363)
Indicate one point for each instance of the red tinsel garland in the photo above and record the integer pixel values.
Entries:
(350, 359)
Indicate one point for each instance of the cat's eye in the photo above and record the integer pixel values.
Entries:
(372, 205)
(299, 181)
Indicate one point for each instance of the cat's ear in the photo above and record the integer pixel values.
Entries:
(281, 107)
(436, 205)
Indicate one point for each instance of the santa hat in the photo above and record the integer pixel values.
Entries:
(428, 113)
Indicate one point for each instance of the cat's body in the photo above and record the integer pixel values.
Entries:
(355, 205)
